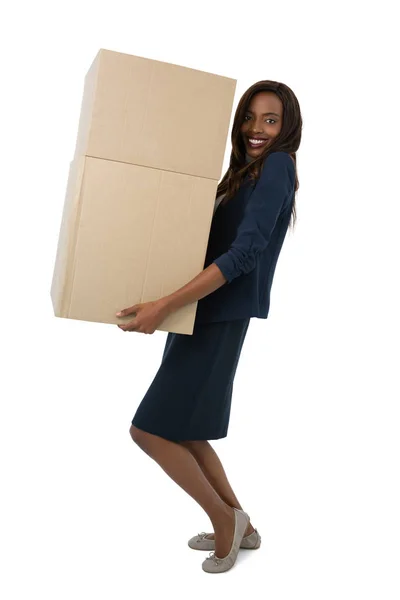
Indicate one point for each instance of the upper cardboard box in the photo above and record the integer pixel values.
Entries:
(155, 114)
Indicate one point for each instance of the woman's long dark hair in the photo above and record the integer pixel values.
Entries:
(288, 140)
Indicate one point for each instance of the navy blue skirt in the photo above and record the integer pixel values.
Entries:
(190, 395)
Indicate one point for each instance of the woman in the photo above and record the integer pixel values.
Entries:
(189, 400)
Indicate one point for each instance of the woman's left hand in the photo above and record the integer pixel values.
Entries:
(149, 316)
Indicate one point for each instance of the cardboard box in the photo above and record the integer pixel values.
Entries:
(141, 188)
(155, 114)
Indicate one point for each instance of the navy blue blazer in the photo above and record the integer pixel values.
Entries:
(245, 240)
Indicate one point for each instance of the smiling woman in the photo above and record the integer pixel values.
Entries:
(189, 399)
(268, 112)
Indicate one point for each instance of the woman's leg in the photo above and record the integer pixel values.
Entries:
(179, 463)
(212, 468)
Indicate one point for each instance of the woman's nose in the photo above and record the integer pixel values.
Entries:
(256, 129)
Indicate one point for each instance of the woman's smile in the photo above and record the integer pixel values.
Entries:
(256, 142)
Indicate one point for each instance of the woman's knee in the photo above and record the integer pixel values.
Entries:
(138, 435)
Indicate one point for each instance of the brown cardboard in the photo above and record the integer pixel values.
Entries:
(156, 114)
(139, 203)
(129, 234)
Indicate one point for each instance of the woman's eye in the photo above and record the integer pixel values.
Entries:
(245, 118)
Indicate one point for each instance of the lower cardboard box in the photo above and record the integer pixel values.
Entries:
(129, 234)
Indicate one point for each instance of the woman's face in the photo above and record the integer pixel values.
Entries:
(262, 121)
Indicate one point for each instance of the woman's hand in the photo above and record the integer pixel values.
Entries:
(149, 316)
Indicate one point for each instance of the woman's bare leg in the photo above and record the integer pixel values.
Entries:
(212, 468)
(179, 463)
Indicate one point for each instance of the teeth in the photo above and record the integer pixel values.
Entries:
(257, 141)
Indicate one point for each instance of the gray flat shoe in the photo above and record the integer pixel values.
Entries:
(201, 542)
(214, 564)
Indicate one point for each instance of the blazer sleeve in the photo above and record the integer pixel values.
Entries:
(271, 195)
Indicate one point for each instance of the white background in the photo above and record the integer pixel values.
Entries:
(313, 445)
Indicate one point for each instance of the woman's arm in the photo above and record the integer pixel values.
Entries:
(203, 284)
